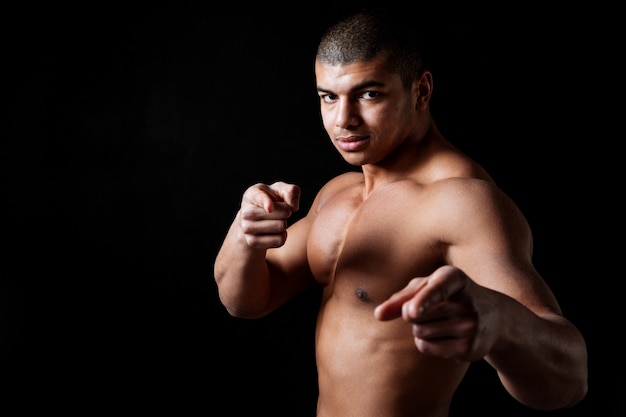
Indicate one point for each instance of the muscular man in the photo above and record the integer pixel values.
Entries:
(424, 262)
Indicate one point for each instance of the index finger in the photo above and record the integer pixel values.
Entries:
(422, 293)
(392, 307)
(441, 285)
(263, 195)
(288, 193)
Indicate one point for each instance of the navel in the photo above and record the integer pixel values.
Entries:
(361, 294)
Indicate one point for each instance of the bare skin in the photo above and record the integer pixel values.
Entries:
(425, 264)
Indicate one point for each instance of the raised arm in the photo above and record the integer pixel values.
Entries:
(256, 270)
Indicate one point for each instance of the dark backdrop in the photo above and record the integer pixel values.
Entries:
(132, 134)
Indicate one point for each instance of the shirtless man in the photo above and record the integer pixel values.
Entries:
(425, 264)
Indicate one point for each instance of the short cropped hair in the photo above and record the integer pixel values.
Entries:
(366, 35)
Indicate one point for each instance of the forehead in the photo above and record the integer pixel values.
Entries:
(338, 78)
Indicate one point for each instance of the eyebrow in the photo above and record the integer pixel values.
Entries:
(363, 86)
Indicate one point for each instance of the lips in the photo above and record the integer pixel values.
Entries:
(351, 143)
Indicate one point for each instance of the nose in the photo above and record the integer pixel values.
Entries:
(347, 115)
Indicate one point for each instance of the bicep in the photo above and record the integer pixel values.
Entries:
(490, 239)
(289, 264)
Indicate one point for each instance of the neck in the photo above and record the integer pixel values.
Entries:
(409, 160)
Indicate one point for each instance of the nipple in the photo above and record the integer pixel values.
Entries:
(361, 294)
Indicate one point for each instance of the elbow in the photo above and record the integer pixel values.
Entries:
(579, 379)
(565, 385)
(578, 393)
(241, 310)
(566, 402)
(569, 383)
(241, 313)
(560, 398)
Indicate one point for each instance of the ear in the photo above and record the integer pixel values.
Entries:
(422, 90)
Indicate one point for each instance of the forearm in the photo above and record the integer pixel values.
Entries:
(541, 361)
(241, 275)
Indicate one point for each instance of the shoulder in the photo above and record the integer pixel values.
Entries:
(339, 184)
(463, 196)
(450, 191)
(464, 189)
(473, 210)
(342, 180)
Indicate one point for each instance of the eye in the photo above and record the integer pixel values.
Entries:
(368, 95)
(328, 98)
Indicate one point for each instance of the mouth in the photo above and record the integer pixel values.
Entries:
(351, 143)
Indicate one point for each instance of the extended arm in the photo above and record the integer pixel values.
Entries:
(540, 357)
(490, 303)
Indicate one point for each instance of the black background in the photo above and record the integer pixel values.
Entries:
(132, 134)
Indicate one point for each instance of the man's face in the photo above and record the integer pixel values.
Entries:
(365, 109)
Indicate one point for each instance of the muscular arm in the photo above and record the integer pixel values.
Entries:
(257, 268)
(489, 302)
(540, 357)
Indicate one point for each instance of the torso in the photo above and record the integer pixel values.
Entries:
(362, 251)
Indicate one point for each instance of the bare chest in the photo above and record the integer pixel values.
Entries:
(371, 248)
